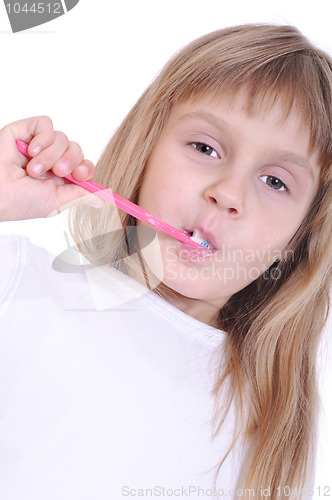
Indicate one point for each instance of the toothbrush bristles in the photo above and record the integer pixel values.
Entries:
(196, 236)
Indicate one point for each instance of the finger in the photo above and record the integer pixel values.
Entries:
(37, 131)
(85, 171)
(46, 159)
(77, 198)
(22, 129)
(72, 158)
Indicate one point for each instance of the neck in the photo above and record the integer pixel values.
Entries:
(202, 311)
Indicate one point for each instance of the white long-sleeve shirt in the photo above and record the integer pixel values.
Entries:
(104, 387)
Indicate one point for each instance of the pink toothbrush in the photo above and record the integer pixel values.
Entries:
(123, 204)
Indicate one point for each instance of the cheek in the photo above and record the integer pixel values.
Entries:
(266, 241)
(275, 228)
(163, 188)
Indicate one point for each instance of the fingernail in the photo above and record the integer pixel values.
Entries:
(36, 150)
(37, 169)
(64, 168)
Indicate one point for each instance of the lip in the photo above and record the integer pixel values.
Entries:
(206, 236)
(197, 254)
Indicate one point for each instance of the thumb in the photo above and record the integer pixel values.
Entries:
(88, 199)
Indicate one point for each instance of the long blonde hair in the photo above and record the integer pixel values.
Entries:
(273, 325)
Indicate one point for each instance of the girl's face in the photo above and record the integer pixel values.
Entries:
(245, 183)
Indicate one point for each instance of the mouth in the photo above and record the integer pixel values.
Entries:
(200, 237)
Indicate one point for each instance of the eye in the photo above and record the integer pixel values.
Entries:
(274, 183)
(205, 149)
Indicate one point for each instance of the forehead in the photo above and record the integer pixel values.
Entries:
(237, 108)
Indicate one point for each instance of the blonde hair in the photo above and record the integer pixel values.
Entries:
(273, 326)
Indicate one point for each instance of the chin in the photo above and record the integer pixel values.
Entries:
(192, 289)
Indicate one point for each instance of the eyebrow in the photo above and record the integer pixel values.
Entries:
(301, 161)
(288, 156)
(208, 117)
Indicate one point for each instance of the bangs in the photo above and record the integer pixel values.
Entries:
(268, 69)
(295, 81)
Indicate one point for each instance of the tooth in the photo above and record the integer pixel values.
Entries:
(206, 244)
(198, 238)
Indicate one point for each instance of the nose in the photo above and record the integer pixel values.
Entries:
(227, 194)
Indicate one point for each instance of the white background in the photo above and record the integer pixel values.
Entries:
(87, 68)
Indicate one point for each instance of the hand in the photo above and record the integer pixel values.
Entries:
(37, 188)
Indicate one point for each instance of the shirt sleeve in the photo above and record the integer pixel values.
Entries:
(13, 256)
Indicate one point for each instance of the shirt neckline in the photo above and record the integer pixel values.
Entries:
(171, 312)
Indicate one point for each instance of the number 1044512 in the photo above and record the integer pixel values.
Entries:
(35, 8)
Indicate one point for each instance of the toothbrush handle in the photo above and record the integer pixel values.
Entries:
(122, 203)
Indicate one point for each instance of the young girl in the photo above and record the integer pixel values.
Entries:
(163, 370)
